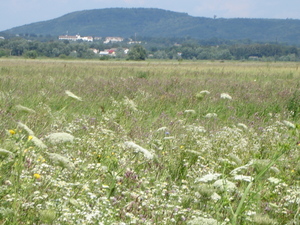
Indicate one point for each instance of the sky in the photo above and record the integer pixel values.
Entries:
(20, 12)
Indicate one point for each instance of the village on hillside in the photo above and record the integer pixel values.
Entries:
(106, 40)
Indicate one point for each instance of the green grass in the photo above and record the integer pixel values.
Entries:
(200, 158)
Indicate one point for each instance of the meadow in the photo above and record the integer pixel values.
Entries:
(120, 142)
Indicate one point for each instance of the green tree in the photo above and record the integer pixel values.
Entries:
(32, 54)
(137, 52)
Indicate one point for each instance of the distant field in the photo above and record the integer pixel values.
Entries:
(154, 142)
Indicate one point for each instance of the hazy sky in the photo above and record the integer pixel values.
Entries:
(20, 12)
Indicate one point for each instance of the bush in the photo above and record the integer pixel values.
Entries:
(137, 52)
(31, 54)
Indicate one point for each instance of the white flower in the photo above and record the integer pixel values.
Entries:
(70, 94)
(57, 138)
(37, 142)
(225, 96)
(130, 103)
(289, 124)
(210, 115)
(137, 148)
(191, 111)
(169, 138)
(238, 169)
(244, 178)
(225, 185)
(274, 180)
(204, 92)
(242, 125)
(59, 160)
(194, 128)
(202, 221)
(208, 177)
(162, 129)
(201, 94)
(29, 131)
(4, 152)
(215, 197)
(24, 109)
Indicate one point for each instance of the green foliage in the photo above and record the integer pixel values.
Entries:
(294, 103)
(162, 23)
(31, 54)
(137, 52)
(136, 144)
(4, 52)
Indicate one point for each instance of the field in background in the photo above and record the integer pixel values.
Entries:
(149, 142)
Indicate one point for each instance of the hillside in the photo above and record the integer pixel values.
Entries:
(126, 22)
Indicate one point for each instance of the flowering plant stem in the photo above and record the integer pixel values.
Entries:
(267, 167)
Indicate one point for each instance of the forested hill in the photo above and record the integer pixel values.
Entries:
(127, 22)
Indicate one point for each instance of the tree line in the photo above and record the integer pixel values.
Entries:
(158, 48)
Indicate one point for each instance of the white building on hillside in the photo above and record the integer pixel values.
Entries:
(113, 40)
(75, 38)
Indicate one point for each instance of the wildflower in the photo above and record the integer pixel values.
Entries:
(211, 115)
(196, 129)
(162, 129)
(27, 129)
(263, 219)
(130, 103)
(244, 178)
(203, 221)
(242, 125)
(59, 160)
(37, 176)
(208, 177)
(56, 138)
(274, 180)
(298, 143)
(190, 111)
(37, 142)
(7, 182)
(225, 96)
(104, 186)
(4, 152)
(30, 137)
(137, 148)
(289, 124)
(47, 216)
(215, 197)
(24, 109)
(12, 132)
(205, 92)
(225, 185)
(238, 169)
(70, 94)
(202, 94)
(205, 190)
(169, 138)
(41, 159)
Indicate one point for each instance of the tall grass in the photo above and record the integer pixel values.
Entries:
(94, 142)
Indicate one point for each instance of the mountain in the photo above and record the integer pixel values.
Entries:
(126, 22)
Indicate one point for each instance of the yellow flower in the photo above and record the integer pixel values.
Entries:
(30, 138)
(181, 147)
(37, 176)
(12, 132)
